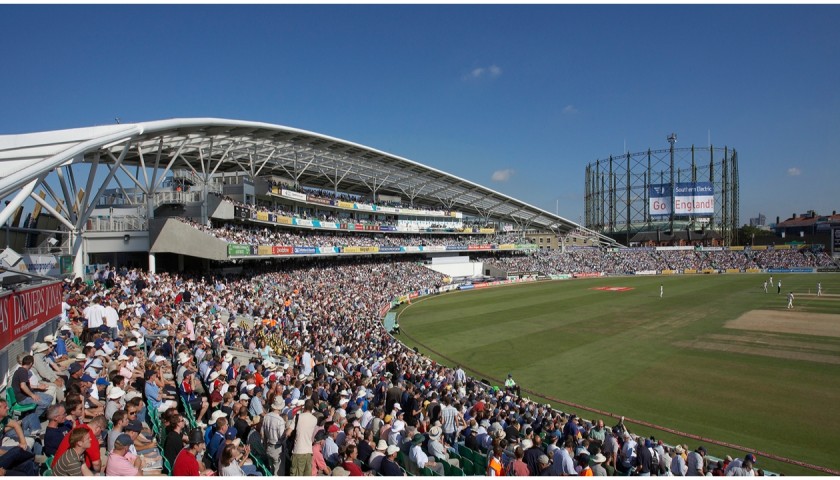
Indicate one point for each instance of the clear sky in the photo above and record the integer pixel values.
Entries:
(517, 98)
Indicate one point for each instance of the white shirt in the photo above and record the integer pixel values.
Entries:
(111, 317)
(95, 315)
(418, 456)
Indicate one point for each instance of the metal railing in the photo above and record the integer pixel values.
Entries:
(116, 224)
(161, 197)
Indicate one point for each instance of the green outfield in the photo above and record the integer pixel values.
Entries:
(716, 356)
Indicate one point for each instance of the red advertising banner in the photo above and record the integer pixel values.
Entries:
(360, 226)
(587, 274)
(318, 200)
(25, 310)
(280, 250)
(480, 247)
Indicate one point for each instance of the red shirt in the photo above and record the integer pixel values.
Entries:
(91, 454)
(354, 469)
(186, 465)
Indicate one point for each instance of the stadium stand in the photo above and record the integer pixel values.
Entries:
(160, 358)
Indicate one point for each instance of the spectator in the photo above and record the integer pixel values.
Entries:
(70, 462)
(121, 462)
(27, 395)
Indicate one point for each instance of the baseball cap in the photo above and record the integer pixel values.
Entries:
(134, 426)
(73, 368)
(124, 440)
(333, 428)
(87, 378)
(751, 458)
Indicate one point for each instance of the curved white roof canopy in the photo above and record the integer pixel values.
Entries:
(211, 145)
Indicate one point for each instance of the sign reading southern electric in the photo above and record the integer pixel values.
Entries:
(692, 198)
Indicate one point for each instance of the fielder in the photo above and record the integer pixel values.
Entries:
(790, 300)
(819, 289)
(765, 286)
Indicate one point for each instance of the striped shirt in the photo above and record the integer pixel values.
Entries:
(68, 465)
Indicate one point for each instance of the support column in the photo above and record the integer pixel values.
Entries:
(180, 263)
(78, 252)
(152, 263)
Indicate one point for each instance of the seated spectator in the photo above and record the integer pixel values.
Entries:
(70, 462)
(419, 458)
(16, 460)
(91, 454)
(232, 460)
(57, 427)
(121, 462)
(350, 452)
(186, 463)
(389, 466)
(174, 443)
(25, 394)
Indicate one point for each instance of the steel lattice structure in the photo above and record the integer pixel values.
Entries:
(207, 146)
(617, 190)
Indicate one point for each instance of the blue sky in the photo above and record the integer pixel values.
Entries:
(528, 93)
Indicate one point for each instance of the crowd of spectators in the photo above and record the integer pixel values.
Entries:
(359, 217)
(591, 260)
(288, 370)
(246, 234)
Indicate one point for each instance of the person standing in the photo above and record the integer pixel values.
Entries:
(819, 289)
(696, 464)
(303, 426)
(765, 286)
(779, 287)
(273, 428)
(661, 290)
(790, 300)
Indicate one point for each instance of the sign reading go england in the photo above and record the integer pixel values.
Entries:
(659, 199)
(690, 198)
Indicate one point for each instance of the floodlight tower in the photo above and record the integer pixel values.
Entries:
(672, 139)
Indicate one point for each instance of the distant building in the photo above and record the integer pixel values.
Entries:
(807, 225)
(759, 221)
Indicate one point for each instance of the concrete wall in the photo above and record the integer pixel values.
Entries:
(218, 209)
(459, 269)
(103, 242)
(172, 236)
(492, 271)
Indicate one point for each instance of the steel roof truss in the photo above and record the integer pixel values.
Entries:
(267, 158)
(130, 176)
(91, 174)
(169, 166)
(125, 194)
(66, 191)
(143, 165)
(113, 170)
(61, 218)
(159, 153)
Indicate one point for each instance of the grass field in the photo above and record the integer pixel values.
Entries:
(681, 361)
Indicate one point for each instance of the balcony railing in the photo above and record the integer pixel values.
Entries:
(116, 224)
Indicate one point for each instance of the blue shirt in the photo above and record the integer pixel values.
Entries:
(215, 442)
(153, 395)
(60, 346)
(256, 407)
